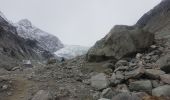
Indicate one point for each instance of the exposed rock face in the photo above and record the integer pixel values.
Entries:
(157, 20)
(145, 86)
(164, 63)
(44, 40)
(121, 41)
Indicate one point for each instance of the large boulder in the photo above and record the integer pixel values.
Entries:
(154, 73)
(161, 91)
(99, 81)
(164, 63)
(121, 41)
(141, 86)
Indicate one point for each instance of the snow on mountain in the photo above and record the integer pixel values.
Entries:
(45, 40)
(71, 51)
(3, 16)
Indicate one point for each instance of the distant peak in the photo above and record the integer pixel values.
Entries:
(25, 22)
(3, 16)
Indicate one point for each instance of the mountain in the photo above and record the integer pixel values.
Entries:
(157, 20)
(71, 51)
(14, 48)
(44, 40)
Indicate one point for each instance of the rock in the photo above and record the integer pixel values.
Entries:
(116, 78)
(5, 87)
(165, 78)
(141, 94)
(108, 65)
(104, 99)
(153, 73)
(113, 79)
(161, 91)
(156, 83)
(141, 86)
(126, 96)
(121, 88)
(164, 63)
(99, 81)
(42, 95)
(108, 71)
(121, 63)
(121, 68)
(121, 41)
(107, 93)
(119, 77)
(52, 61)
(135, 73)
(96, 95)
(138, 56)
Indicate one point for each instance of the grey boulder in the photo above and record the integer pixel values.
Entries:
(99, 81)
(141, 86)
(154, 73)
(161, 91)
(121, 41)
(164, 63)
(42, 95)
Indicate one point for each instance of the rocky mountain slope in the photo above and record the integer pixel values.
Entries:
(14, 48)
(44, 40)
(157, 20)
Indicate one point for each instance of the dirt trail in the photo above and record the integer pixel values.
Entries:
(20, 89)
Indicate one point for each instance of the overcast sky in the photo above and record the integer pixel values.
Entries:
(78, 22)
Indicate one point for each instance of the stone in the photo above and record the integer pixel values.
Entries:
(126, 96)
(42, 95)
(5, 87)
(153, 73)
(135, 73)
(103, 99)
(161, 91)
(165, 78)
(156, 83)
(141, 94)
(120, 42)
(141, 86)
(108, 65)
(164, 63)
(121, 68)
(96, 95)
(121, 63)
(52, 61)
(121, 88)
(113, 80)
(107, 93)
(99, 81)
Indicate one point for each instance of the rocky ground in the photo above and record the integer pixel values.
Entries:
(139, 77)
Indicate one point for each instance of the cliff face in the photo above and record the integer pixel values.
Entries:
(48, 42)
(157, 20)
(14, 47)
